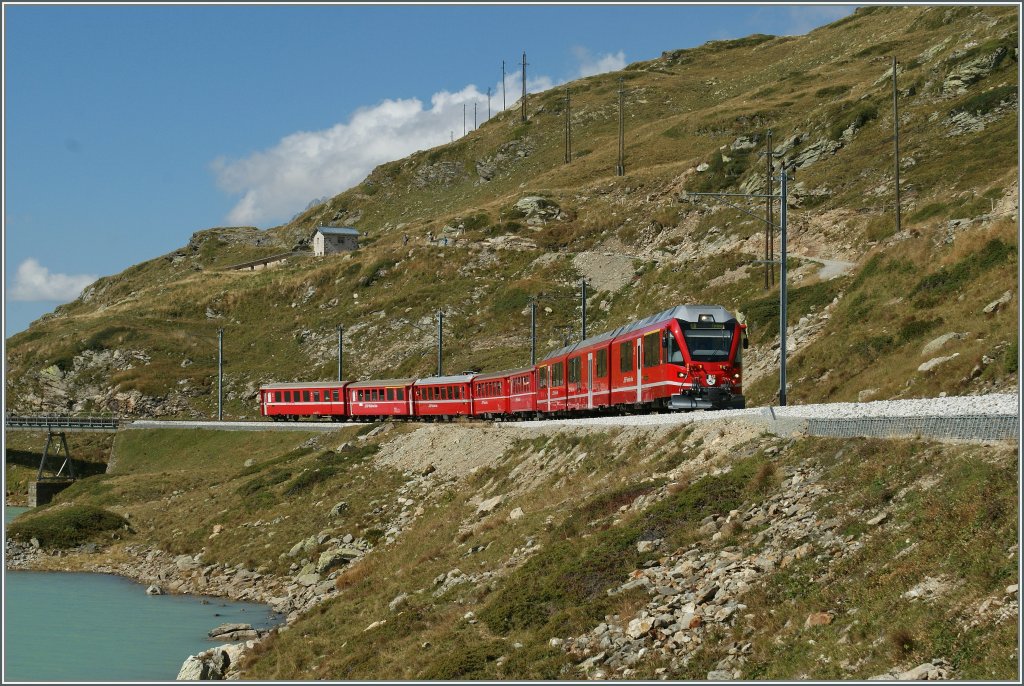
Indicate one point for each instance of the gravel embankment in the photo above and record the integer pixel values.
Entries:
(1006, 404)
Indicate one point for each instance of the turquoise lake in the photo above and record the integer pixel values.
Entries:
(61, 626)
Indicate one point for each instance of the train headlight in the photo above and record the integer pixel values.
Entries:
(681, 375)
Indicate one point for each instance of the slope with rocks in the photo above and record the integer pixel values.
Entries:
(710, 549)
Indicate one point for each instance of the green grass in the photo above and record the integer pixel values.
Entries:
(66, 526)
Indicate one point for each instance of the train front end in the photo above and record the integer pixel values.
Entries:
(707, 349)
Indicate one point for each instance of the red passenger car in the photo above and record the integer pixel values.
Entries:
(551, 389)
(444, 396)
(380, 398)
(522, 399)
(290, 401)
(491, 394)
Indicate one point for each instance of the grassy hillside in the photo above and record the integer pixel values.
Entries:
(144, 341)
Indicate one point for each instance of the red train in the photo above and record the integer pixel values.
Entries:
(689, 357)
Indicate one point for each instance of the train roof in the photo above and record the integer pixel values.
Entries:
(457, 378)
(304, 384)
(685, 312)
(503, 374)
(373, 383)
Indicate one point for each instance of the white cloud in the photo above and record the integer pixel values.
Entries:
(34, 282)
(591, 66)
(276, 183)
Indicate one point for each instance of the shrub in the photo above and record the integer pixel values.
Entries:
(764, 479)
(831, 91)
(309, 478)
(263, 482)
(66, 527)
(857, 117)
(913, 328)
(952, 278)
(985, 102)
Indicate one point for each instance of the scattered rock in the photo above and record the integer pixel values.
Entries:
(515, 514)
(154, 590)
(488, 506)
(877, 519)
(818, 619)
(398, 601)
(997, 304)
(935, 362)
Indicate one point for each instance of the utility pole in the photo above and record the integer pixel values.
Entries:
(220, 374)
(782, 288)
(583, 301)
(451, 136)
(503, 105)
(463, 119)
(341, 350)
(488, 103)
(568, 129)
(474, 115)
(533, 332)
(524, 87)
(440, 339)
(896, 140)
(769, 232)
(620, 168)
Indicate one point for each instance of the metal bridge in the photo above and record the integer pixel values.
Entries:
(60, 423)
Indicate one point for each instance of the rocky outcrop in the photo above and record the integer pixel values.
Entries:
(695, 591)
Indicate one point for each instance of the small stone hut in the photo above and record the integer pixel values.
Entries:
(332, 239)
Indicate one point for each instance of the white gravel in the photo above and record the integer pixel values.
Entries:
(1001, 404)
(995, 404)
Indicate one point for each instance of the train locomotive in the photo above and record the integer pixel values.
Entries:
(688, 357)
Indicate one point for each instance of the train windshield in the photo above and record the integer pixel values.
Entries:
(708, 341)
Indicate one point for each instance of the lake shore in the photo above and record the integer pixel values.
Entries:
(161, 572)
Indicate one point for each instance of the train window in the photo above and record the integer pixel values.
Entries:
(602, 363)
(673, 353)
(305, 396)
(276, 396)
(391, 394)
(400, 394)
(542, 377)
(316, 396)
(626, 356)
(652, 349)
(573, 370)
(558, 374)
(336, 395)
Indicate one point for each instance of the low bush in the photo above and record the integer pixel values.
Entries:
(67, 526)
(309, 478)
(952, 278)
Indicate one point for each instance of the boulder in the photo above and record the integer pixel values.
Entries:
(515, 514)
(936, 343)
(639, 627)
(995, 305)
(818, 619)
(154, 590)
(227, 629)
(398, 601)
(488, 506)
(337, 557)
(935, 362)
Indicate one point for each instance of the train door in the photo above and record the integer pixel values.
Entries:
(639, 369)
(590, 380)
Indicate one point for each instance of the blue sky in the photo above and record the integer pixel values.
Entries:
(127, 128)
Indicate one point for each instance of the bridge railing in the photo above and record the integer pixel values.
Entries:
(61, 421)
